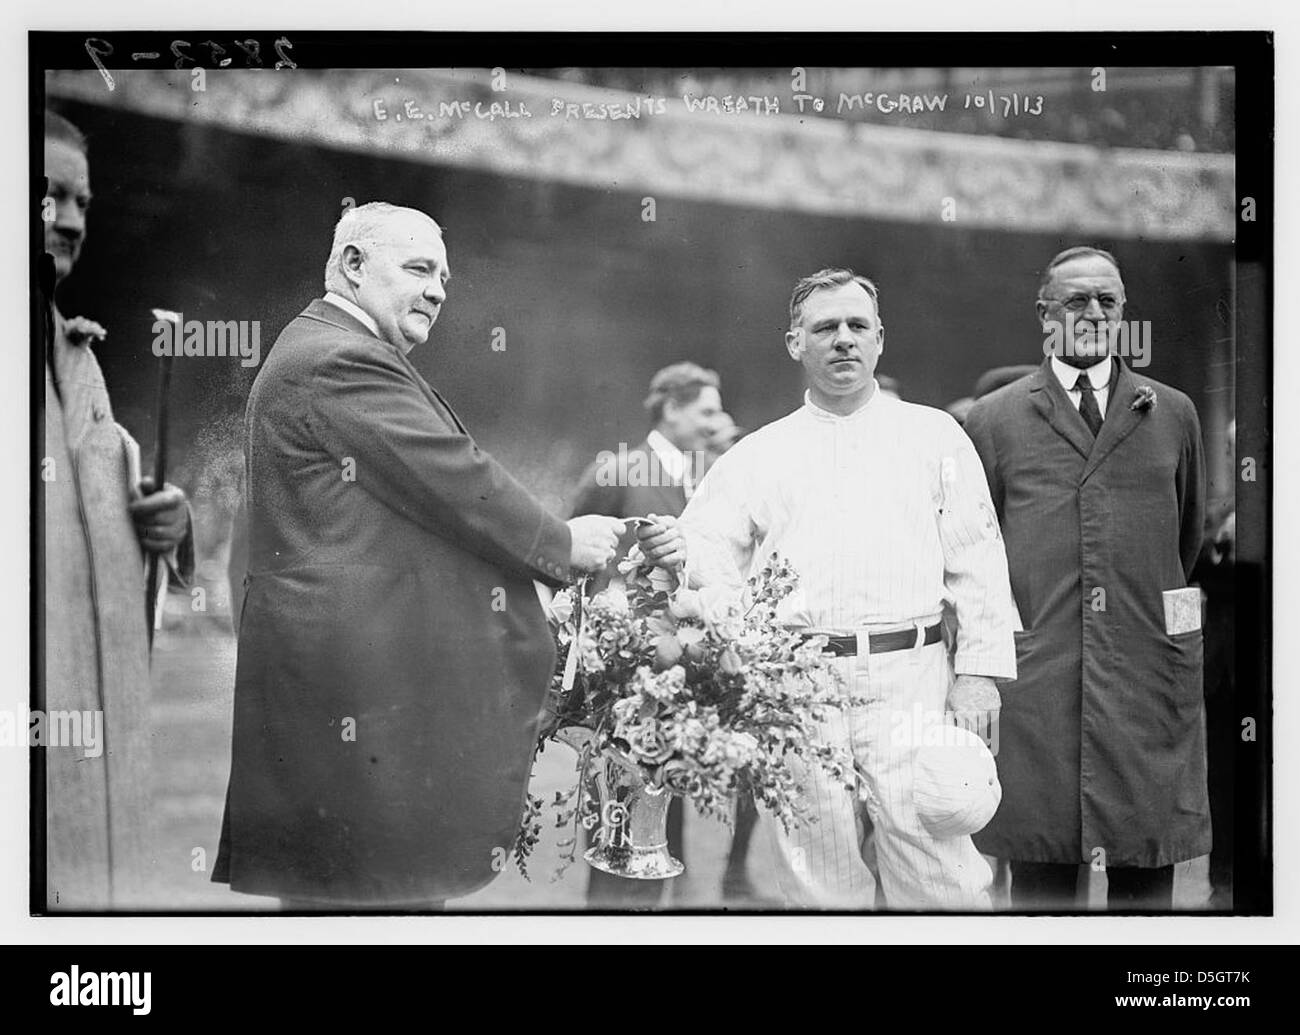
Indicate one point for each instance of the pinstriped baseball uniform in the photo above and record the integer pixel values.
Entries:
(886, 516)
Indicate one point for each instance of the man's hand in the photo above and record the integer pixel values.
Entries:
(595, 541)
(662, 541)
(161, 516)
(976, 704)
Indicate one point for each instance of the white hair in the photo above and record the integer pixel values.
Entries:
(365, 227)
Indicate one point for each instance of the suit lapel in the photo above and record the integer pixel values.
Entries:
(319, 309)
(80, 391)
(672, 496)
(1120, 420)
(327, 312)
(439, 402)
(1054, 406)
(444, 404)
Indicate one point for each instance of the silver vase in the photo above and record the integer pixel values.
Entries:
(632, 837)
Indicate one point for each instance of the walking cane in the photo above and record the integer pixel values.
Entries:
(154, 574)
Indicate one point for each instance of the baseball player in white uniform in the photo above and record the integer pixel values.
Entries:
(883, 509)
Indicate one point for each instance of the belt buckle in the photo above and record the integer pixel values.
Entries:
(863, 636)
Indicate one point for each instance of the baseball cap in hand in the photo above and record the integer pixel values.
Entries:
(955, 784)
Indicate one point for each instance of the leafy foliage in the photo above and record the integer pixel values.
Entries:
(705, 697)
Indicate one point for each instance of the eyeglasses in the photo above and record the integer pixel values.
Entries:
(1078, 303)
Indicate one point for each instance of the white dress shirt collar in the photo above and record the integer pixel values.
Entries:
(857, 414)
(672, 458)
(354, 310)
(1098, 374)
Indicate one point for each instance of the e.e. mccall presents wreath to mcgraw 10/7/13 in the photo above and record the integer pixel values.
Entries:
(661, 692)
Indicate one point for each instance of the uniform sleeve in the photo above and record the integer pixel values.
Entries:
(1191, 491)
(365, 406)
(975, 562)
(980, 433)
(719, 527)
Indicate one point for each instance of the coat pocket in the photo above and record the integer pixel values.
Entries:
(1184, 668)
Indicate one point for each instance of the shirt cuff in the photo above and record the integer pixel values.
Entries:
(991, 665)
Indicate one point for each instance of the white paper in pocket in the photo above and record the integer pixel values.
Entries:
(1182, 610)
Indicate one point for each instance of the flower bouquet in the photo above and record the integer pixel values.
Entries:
(662, 691)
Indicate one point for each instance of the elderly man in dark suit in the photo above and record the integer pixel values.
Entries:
(1098, 478)
(393, 654)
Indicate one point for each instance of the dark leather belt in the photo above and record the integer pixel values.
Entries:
(879, 643)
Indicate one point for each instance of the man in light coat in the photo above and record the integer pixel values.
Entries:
(98, 527)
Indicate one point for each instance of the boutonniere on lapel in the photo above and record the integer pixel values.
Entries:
(1143, 399)
(81, 331)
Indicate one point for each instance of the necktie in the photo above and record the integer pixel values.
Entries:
(1088, 404)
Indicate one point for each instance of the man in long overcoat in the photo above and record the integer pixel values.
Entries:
(1102, 757)
(393, 654)
(99, 524)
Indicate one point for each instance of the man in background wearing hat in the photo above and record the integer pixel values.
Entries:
(1099, 483)
(989, 381)
(882, 508)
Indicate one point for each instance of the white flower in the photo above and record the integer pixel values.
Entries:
(625, 711)
(719, 605)
(1143, 399)
(740, 748)
(614, 598)
(560, 609)
(651, 743)
(662, 686)
(685, 603)
(82, 331)
(688, 635)
(634, 559)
